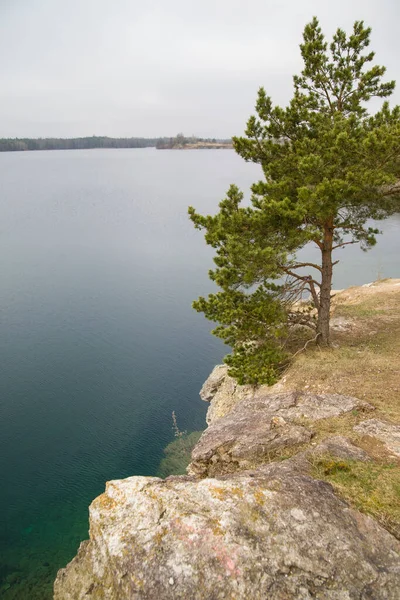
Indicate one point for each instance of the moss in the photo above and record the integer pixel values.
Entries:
(237, 491)
(225, 493)
(373, 488)
(104, 502)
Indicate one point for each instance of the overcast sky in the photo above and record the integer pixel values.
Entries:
(157, 67)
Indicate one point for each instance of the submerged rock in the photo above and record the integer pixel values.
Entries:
(269, 533)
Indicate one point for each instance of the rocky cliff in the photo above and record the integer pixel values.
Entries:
(291, 491)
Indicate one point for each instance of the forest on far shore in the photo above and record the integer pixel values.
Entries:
(83, 143)
(15, 144)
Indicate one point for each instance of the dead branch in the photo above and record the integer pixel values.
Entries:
(306, 344)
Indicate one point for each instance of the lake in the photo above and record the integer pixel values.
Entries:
(99, 344)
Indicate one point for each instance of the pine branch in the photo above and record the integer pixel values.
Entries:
(314, 295)
(306, 344)
(391, 190)
(307, 278)
(345, 244)
(306, 264)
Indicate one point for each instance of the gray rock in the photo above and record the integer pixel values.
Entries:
(223, 393)
(213, 383)
(271, 533)
(337, 447)
(303, 462)
(341, 324)
(340, 447)
(249, 435)
(387, 433)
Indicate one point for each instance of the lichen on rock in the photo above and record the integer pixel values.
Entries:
(272, 531)
(266, 533)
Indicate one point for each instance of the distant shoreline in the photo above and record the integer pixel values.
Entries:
(98, 142)
(199, 146)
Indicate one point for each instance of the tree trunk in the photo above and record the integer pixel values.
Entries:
(326, 286)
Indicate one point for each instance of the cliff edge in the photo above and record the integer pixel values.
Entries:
(293, 491)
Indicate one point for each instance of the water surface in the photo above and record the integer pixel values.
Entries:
(98, 342)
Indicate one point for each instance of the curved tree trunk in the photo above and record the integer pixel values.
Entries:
(326, 286)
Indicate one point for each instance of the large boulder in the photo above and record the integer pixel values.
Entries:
(269, 533)
(263, 425)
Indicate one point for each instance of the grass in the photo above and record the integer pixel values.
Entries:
(364, 359)
(362, 362)
(372, 488)
(361, 311)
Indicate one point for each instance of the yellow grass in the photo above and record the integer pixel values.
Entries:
(364, 361)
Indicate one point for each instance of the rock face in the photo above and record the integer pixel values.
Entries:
(223, 393)
(240, 526)
(339, 447)
(269, 533)
(262, 425)
(387, 433)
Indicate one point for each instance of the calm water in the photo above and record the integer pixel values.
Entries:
(98, 343)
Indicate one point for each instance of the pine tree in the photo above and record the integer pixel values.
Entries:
(329, 166)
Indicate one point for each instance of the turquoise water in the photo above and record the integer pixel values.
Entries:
(98, 342)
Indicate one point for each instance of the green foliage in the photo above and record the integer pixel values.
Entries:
(248, 309)
(328, 168)
(252, 323)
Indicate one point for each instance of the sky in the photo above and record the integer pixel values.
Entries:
(159, 67)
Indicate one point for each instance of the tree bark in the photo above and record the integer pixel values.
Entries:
(326, 286)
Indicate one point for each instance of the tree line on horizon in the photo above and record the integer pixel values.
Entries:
(82, 143)
(94, 141)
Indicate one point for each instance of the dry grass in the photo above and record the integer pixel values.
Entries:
(364, 358)
(362, 362)
(373, 488)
